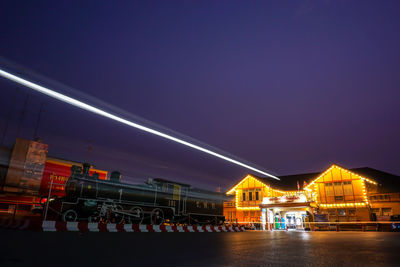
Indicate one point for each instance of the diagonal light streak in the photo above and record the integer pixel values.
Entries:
(103, 113)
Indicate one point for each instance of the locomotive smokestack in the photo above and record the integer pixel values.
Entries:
(86, 168)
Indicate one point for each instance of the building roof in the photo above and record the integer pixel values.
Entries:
(289, 182)
(388, 183)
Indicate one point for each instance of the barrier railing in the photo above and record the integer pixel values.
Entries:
(328, 226)
(58, 226)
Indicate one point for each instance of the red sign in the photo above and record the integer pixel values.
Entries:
(291, 198)
(59, 172)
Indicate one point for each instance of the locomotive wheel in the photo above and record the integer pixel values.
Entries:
(69, 216)
(137, 216)
(157, 217)
(117, 217)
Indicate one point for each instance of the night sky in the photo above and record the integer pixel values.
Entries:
(291, 86)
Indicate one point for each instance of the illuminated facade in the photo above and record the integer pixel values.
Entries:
(336, 195)
(249, 194)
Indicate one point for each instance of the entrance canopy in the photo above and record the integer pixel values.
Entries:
(294, 201)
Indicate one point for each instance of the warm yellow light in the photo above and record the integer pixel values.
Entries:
(248, 208)
(337, 205)
(250, 176)
(337, 167)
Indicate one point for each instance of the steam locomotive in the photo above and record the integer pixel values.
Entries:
(157, 201)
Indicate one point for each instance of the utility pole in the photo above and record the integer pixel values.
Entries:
(89, 149)
(9, 116)
(35, 134)
(22, 115)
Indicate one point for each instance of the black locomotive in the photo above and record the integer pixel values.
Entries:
(154, 202)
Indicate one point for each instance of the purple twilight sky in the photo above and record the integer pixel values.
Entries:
(291, 86)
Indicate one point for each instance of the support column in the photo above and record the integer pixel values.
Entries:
(263, 218)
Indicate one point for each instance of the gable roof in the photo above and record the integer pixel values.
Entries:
(260, 179)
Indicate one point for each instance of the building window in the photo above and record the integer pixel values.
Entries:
(338, 198)
(332, 212)
(250, 196)
(351, 212)
(164, 187)
(342, 212)
(329, 190)
(348, 188)
(338, 188)
(244, 197)
(375, 211)
(386, 211)
(257, 197)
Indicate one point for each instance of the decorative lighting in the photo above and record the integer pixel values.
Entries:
(342, 205)
(103, 113)
(342, 169)
(250, 176)
(248, 208)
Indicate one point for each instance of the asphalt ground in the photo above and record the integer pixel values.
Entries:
(253, 248)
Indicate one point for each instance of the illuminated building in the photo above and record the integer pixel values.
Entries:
(335, 195)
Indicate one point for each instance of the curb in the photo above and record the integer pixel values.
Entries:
(57, 226)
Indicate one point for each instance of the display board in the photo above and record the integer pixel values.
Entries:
(26, 166)
(59, 171)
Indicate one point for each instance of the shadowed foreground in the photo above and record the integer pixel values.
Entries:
(199, 249)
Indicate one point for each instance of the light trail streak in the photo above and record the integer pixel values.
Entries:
(103, 113)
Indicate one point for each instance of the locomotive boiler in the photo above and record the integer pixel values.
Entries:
(154, 202)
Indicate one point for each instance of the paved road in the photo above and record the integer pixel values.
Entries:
(200, 249)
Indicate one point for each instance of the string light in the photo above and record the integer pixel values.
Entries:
(248, 208)
(342, 169)
(237, 192)
(339, 205)
(311, 189)
(250, 176)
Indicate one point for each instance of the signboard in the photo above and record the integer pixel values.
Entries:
(25, 170)
(34, 165)
(30, 172)
(285, 199)
(59, 171)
